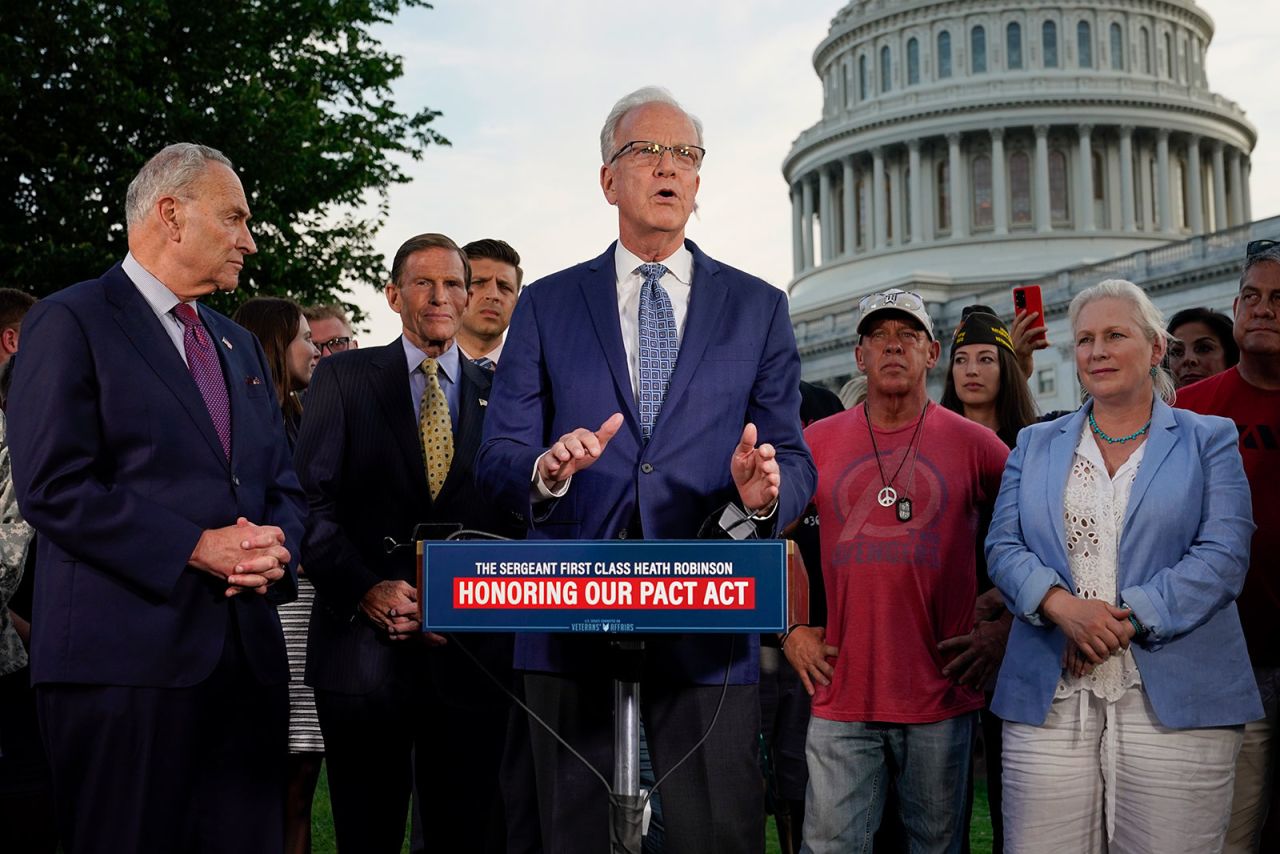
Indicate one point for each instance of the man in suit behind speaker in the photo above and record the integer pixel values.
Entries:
(639, 393)
(150, 455)
(496, 278)
(386, 446)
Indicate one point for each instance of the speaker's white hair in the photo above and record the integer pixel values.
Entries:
(609, 141)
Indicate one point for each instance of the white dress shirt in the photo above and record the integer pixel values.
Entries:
(160, 298)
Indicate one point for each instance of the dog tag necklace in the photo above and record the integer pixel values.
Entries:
(888, 496)
(904, 503)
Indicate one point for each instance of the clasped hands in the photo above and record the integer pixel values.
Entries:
(248, 557)
(392, 606)
(754, 468)
(1095, 629)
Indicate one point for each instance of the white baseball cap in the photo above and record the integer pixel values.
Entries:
(894, 299)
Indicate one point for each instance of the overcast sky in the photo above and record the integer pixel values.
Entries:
(524, 86)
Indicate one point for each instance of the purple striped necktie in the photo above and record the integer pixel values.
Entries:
(206, 370)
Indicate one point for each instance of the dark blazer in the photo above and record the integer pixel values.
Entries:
(360, 459)
(118, 466)
(564, 367)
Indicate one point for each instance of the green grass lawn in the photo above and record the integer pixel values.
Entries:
(980, 828)
(322, 824)
(322, 841)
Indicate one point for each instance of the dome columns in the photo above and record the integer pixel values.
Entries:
(1237, 180)
(1084, 147)
(879, 220)
(850, 210)
(1042, 179)
(1195, 193)
(999, 186)
(797, 230)
(956, 197)
(826, 215)
(806, 201)
(1164, 215)
(1018, 179)
(1127, 219)
(914, 190)
(1244, 190)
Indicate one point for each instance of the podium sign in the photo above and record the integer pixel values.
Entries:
(608, 586)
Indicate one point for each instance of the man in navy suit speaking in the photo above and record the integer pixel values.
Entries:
(150, 455)
(639, 393)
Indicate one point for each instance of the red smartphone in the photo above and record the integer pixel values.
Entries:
(1028, 298)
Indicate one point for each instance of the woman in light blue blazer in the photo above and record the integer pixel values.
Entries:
(1120, 540)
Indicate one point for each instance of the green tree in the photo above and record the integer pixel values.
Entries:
(296, 92)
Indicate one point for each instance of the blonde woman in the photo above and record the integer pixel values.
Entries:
(1120, 540)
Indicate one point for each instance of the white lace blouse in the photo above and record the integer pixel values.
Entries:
(1093, 511)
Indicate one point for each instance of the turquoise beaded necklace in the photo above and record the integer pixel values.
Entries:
(1116, 440)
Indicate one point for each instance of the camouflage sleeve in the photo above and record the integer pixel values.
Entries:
(15, 536)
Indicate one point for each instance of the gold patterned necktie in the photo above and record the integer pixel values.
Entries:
(436, 430)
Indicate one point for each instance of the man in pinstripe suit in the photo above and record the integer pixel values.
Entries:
(398, 706)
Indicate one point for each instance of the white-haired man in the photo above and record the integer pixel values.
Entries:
(648, 446)
(149, 453)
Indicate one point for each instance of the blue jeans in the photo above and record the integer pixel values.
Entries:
(851, 766)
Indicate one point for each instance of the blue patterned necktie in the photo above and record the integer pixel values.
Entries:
(658, 345)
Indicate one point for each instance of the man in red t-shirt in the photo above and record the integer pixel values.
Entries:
(1249, 394)
(900, 484)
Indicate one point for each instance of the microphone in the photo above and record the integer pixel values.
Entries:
(730, 522)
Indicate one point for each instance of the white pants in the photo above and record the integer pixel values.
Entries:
(1255, 769)
(1171, 793)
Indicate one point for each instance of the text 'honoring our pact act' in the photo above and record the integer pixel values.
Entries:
(596, 585)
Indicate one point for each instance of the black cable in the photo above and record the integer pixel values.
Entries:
(474, 534)
(724, 693)
(453, 638)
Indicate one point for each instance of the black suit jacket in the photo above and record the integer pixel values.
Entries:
(118, 466)
(359, 457)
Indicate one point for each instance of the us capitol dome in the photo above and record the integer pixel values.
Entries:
(968, 146)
